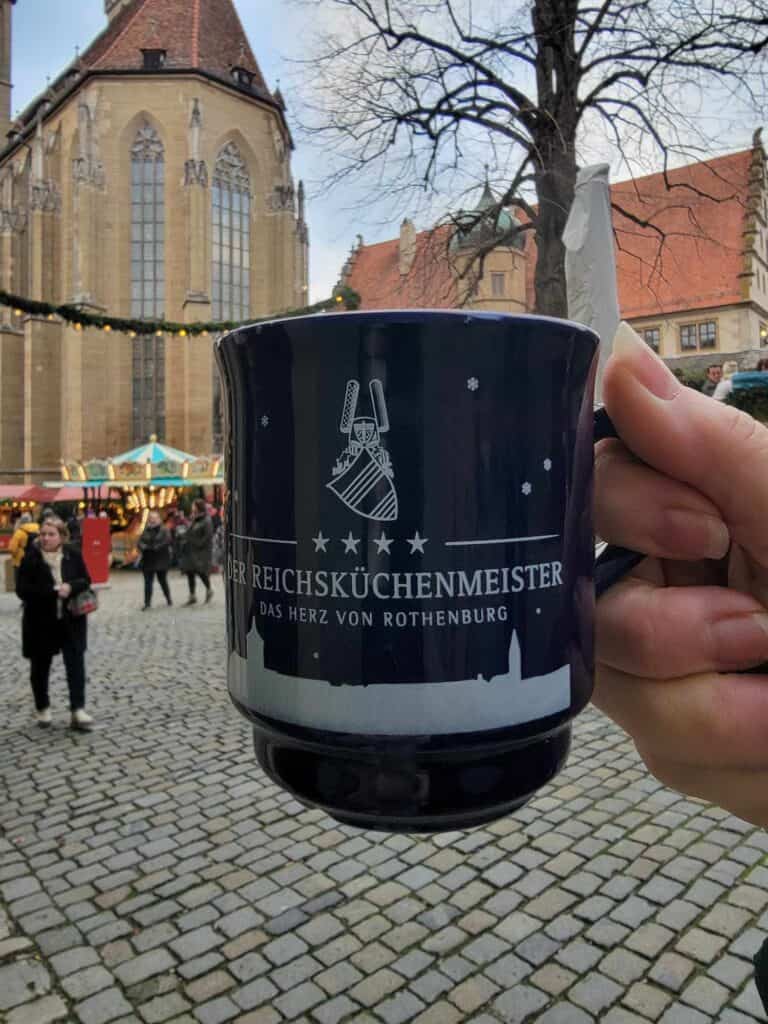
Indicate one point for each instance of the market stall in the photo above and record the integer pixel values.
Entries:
(151, 476)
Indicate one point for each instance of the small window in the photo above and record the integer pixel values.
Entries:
(763, 334)
(652, 337)
(688, 336)
(154, 60)
(497, 284)
(708, 334)
(243, 77)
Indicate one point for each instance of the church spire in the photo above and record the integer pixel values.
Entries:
(6, 19)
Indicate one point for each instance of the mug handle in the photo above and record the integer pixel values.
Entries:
(613, 562)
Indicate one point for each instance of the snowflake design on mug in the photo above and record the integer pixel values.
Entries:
(265, 421)
(473, 383)
(547, 464)
(526, 488)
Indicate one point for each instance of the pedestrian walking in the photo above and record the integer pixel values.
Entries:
(196, 550)
(155, 547)
(26, 530)
(50, 576)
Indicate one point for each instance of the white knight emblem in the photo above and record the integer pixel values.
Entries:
(363, 477)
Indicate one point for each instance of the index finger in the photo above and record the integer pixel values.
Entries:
(716, 448)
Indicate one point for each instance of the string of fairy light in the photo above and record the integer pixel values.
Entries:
(343, 298)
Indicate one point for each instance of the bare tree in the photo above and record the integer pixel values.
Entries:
(416, 88)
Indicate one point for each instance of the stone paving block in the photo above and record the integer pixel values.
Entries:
(373, 989)
(473, 993)
(579, 956)
(131, 972)
(216, 1011)
(684, 1015)
(255, 993)
(678, 915)
(564, 928)
(162, 1008)
(41, 1011)
(537, 948)
(749, 1002)
(647, 999)
(595, 993)
(623, 966)
(705, 994)
(294, 1003)
(519, 1004)
(334, 1011)
(700, 945)
(84, 983)
(21, 980)
(209, 985)
(565, 1013)
(15, 945)
(58, 939)
(553, 979)
(105, 1006)
(731, 971)
(516, 927)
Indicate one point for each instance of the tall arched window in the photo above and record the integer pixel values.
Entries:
(148, 280)
(231, 208)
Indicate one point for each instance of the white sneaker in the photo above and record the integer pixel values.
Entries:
(82, 720)
(44, 718)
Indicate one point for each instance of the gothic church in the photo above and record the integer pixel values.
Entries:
(152, 179)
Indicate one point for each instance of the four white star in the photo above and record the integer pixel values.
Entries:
(383, 543)
(417, 543)
(350, 544)
(320, 542)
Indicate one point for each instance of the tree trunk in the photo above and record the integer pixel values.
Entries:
(554, 146)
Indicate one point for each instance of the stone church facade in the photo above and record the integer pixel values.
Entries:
(151, 180)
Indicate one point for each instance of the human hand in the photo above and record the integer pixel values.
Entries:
(675, 635)
(64, 590)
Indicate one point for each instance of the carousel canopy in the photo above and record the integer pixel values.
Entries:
(152, 464)
(153, 452)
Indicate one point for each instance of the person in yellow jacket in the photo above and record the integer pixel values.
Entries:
(25, 529)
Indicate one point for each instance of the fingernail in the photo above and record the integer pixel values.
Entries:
(741, 640)
(705, 536)
(645, 365)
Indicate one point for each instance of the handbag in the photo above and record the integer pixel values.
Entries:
(84, 603)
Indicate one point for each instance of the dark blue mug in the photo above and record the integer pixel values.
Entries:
(410, 557)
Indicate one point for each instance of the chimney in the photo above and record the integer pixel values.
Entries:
(6, 19)
(407, 247)
(114, 7)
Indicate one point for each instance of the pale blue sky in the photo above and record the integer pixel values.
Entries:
(46, 32)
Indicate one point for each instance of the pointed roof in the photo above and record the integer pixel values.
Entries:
(196, 35)
(202, 34)
(153, 451)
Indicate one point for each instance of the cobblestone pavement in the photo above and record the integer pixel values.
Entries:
(149, 872)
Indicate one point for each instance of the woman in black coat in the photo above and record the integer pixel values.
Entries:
(51, 573)
(155, 547)
(196, 549)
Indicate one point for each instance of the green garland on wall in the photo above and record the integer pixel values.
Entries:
(342, 298)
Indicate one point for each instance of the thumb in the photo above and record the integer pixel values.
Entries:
(716, 448)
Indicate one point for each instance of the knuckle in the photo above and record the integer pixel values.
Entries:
(741, 427)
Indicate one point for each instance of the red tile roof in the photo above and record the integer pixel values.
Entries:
(204, 35)
(375, 274)
(697, 265)
(698, 261)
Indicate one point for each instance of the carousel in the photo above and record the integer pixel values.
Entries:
(127, 486)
